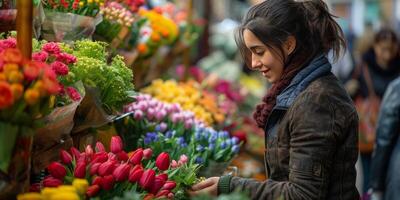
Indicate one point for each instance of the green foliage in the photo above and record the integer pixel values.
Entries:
(87, 48)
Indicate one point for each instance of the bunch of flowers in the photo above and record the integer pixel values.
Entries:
(133, 5)
(191, 97)
(75, 191)
(203, 145)
(81, 7)
(26, 87)
(60, 62)
(114, 80)
(157, 31)
(115, 12)
(112, 172)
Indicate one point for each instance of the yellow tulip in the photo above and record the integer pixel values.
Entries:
(81, 185)
(30, 196)
(64, 196)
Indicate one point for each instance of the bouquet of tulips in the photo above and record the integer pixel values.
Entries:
(112, 173)
(167, 126)
(27, 92)
(69, 20)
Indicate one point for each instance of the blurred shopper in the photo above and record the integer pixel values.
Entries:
(309, 120)
(385, 173)
(379, 66)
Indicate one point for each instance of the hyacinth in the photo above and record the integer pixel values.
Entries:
(114, 11)
(157, 111)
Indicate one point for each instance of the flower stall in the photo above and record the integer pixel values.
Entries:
(89, 110)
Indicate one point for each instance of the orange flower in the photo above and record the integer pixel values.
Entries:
(31, 71)
(40, 87)
(9, 68)
(155, 37)
(31, 96)
(51, 85)
(12, 56)
(2, 77)
(15, 77)
(164, 32)
(142, 48)
(6, 95)
(17, 90)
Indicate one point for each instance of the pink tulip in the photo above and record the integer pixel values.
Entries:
(122, 156)
(163, 176)
(100, 147)
(106, 168)
(75, 153)
(57, 170)
(158, 183)
(66, 158)
(162, 161)
(121, 172)
(94, 168)
(136, 157)
(174, 164)
(169, 185)
(116, 144)
(51, 182)
(147, 153)
(183, 159)
(135, 174)
(80, 170)
(100, 157)
(147, 179)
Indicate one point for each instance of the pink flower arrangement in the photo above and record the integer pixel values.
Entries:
(40, 56)
(60, 68)
(51, 48)
(73, 94)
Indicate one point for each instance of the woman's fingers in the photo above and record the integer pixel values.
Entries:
(204, 184)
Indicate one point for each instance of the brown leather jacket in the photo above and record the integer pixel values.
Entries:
(311, 142)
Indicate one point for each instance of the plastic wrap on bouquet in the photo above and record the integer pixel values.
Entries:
(213, 169)
(15, 158)
(68, 27)
(54, 136)
(90, 113)
(8, 14)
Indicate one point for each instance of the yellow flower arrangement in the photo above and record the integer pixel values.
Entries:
(76, 191)
(190, 97)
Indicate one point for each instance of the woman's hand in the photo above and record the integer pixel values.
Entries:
(209, 186)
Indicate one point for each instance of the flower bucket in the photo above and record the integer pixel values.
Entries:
(15, 159)
(68, 27)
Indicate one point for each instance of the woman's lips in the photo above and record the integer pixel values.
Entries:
(264, 72)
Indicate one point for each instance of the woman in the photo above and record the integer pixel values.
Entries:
(380, 65)
(309, 120)
(385, 176)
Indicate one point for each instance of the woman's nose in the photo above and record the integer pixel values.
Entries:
(255, 63)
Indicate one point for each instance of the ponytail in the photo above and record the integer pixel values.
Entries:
(272, 22)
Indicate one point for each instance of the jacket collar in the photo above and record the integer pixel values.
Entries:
(318, 67)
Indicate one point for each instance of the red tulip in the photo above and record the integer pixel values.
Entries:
(162, 193)
(92, 190)
(107, 182)
(136, 157)
(121, 172)
(66, 158)
(163, 176)
(147, 153)
(57, 170)
(80, 170)
(122, 156)
(94, 168)
(169, 185)
(116, 144)
(82, 158)
(100, 147)
(51, 182)
(162, 161)
(106, 168)
(89, 151)
(100, 157)
(97, 180)
(147, 179)
(157, 185)
(112, 156)
(135, 174)
(75, 153)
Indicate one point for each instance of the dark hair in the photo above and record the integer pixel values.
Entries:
(385, 34)
(272, 22)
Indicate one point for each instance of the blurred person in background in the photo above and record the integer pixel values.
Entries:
(310, 122)
(379, 65)
(385, 173)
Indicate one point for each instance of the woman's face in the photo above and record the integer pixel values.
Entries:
(385, 51)
(263, 58)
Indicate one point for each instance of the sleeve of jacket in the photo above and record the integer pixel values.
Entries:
(312, 146)
(388, 129)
